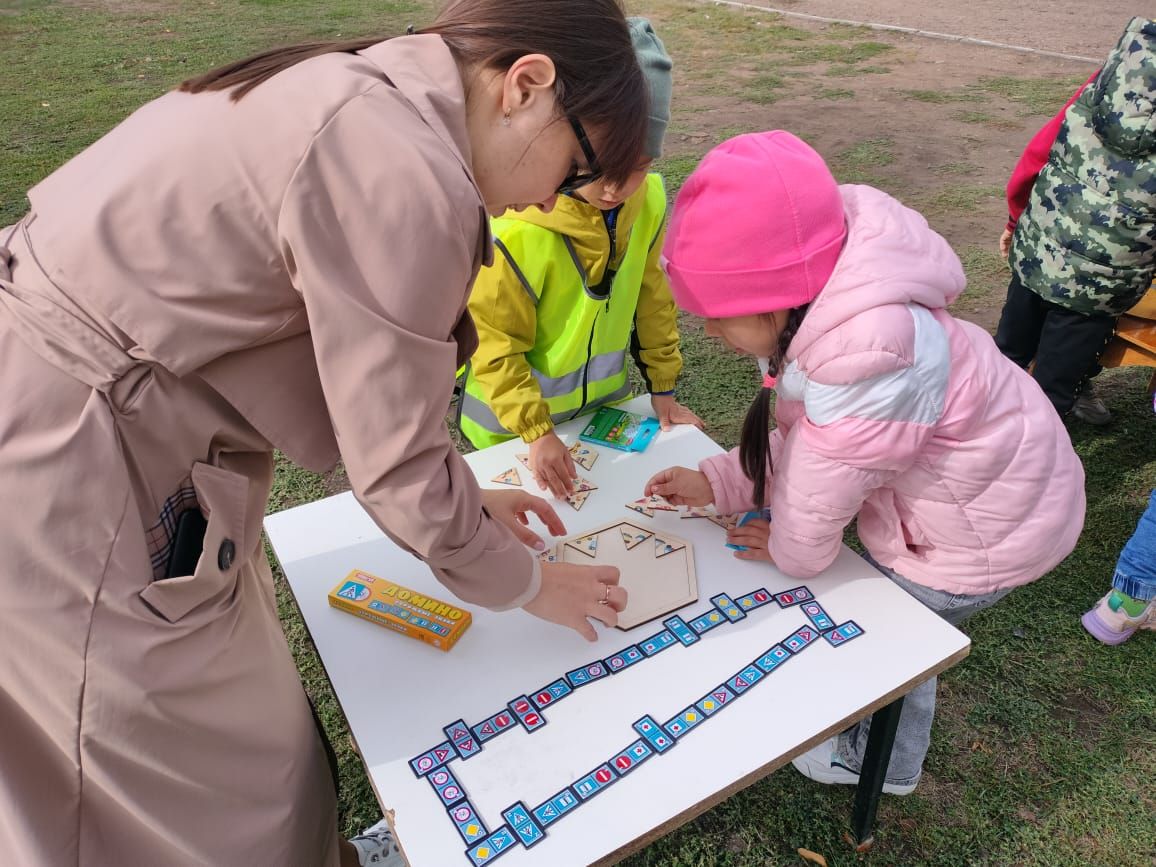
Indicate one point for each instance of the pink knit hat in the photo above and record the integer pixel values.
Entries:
(757, 227)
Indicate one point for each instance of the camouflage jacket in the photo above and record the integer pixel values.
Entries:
(1087, 240)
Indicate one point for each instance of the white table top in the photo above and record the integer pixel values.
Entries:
(398, 693)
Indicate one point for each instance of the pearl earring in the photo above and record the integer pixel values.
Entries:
(506, 119)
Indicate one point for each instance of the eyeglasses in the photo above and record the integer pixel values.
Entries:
(578, 178)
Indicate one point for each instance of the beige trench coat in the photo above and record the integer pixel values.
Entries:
(209, 281)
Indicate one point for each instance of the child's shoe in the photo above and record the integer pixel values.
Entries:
(1091, 409)
(821, 764)
(1117, 616)
(376, 846)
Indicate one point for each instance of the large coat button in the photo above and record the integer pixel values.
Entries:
(225, 555)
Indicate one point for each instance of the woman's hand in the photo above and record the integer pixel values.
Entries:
(755, 536)
(572, 593)
(681, 487)
(552, 465)
(671, 412)
(511, 508)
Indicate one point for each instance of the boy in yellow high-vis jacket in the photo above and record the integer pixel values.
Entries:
(571, 293)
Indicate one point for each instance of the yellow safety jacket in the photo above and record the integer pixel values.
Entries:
(565, 299)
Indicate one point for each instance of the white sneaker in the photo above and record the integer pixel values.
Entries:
(376, 846)
(821, 764)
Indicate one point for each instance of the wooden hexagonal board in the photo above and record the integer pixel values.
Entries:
(658, 574)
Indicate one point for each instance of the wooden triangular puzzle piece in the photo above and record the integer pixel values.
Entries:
(583, 455)
(577, 499)
(697, 512)
(648, 505)
(588, 545)
(632, 536)
(581, 484)
(724, 521)
(656, 502)
(662, 547)
(509, 477)
(550, 555)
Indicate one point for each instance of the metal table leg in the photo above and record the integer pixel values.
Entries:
(880, 739)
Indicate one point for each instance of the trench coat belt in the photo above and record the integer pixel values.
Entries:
(59, 331)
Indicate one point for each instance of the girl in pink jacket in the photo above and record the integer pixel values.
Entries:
(888, 409)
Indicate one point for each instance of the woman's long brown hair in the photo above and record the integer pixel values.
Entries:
(598, 79)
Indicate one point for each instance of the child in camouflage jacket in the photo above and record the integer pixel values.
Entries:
(1084, 250)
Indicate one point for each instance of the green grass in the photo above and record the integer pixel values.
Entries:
(764, 89)
(850, 70)
(872, 153)
(834, 93)
(717, 383)
(1032, 95)
(1042, 749)
(675, 170)
(72, 72)
(839, 52)
(987, 119)
(860, 164)
(755, 52)
(987, 277)
(956, 169)
(961, 198)
(943, 97)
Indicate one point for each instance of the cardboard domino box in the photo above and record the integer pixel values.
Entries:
(400, 609)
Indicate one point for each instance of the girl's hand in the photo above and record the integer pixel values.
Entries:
(755, 536)
(681, 487)
(571, 594)
(511, 507)
(671, 412)
(552, 465)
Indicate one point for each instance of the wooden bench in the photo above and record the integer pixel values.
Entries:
(1135, 339)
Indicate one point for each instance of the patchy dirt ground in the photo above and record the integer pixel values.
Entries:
(1080, 27)
(937, 124)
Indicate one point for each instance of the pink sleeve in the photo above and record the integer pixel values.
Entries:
(733, 491)
(1031, 162)
(825, 473)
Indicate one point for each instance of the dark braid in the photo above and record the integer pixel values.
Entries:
(755, 446)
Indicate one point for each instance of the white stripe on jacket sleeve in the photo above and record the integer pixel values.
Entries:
(914, 394)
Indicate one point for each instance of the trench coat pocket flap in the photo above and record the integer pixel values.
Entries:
(224, 500)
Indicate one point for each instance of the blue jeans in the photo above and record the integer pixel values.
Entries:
(913, 736)
(1136, 568)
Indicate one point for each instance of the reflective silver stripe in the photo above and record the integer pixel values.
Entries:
(517, 271)
(582, 271)
(601, 367)
(574, 257)
(480, 414)
(479, 411)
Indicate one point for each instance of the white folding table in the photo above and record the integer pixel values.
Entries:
(398, 694)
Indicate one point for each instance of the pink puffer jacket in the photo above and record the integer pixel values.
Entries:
(962, 475)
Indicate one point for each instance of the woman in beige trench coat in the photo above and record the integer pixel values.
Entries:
(276, 256)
